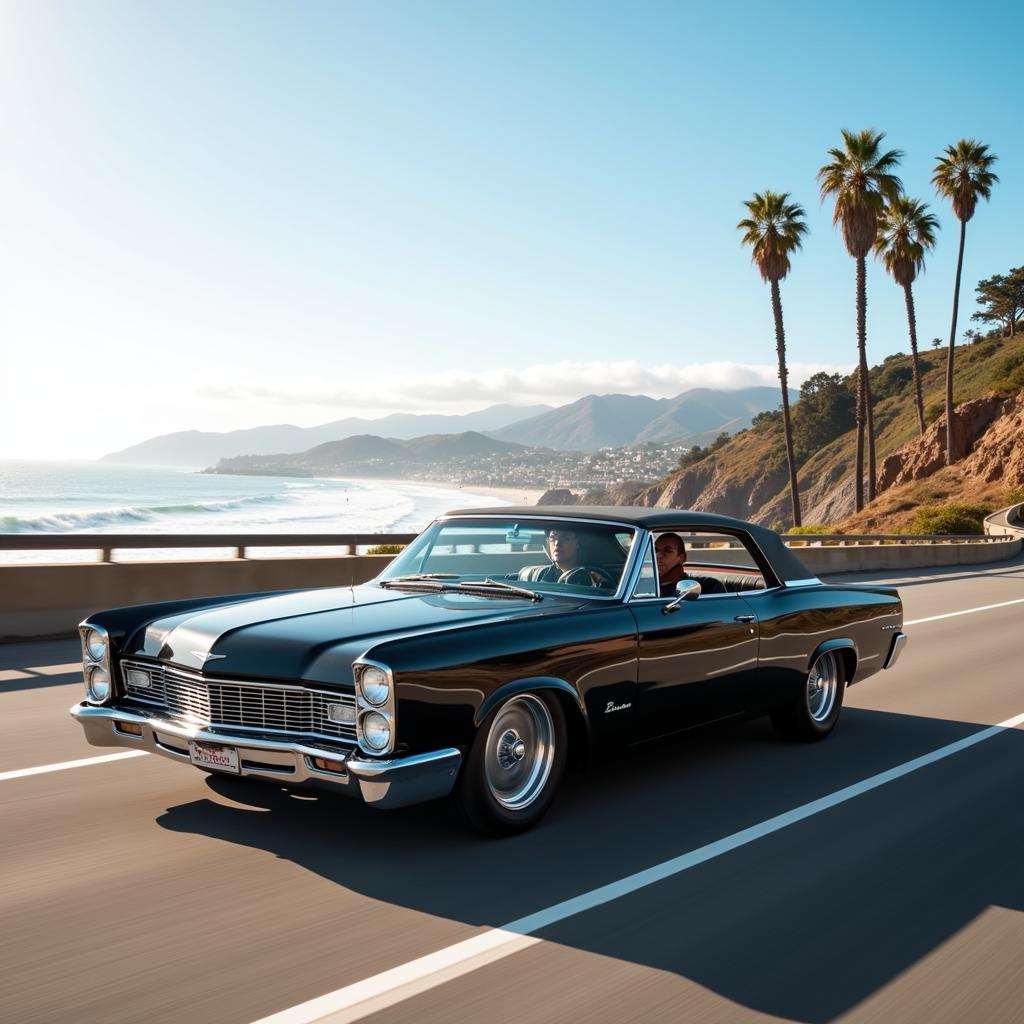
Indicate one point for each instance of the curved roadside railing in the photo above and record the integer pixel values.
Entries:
(1007, 522)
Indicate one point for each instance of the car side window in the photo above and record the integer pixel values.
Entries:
(647, 581)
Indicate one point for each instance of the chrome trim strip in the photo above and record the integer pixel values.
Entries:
(812, 582)
(899, 641)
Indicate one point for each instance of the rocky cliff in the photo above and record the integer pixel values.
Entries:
(747, 477)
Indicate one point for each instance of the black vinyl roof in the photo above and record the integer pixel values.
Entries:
(785, 563)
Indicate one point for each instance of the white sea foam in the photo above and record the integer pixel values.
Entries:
(39, 499)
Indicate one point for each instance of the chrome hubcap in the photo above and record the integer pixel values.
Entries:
(520, 752)
(511, 750)
(822, 686)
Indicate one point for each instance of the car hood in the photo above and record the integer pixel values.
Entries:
(316, 634)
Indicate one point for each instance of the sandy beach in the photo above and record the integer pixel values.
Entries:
(508, 495)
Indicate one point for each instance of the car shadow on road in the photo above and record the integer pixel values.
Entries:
(39, 665)
(804, 924)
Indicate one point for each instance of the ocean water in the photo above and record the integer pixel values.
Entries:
(60, 498)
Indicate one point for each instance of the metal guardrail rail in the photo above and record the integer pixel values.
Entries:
(108, 543)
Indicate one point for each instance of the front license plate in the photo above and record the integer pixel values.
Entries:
(209, 755)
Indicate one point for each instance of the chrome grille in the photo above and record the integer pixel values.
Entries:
(234, 704)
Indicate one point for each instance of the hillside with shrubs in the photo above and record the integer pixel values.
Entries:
(745, 474)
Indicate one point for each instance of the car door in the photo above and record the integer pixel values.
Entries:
(695, 662)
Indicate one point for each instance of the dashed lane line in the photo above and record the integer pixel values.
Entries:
(63, 766)
(966, 611)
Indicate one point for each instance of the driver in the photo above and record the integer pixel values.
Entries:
(564, 548)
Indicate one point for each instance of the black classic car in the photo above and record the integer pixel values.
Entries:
(498, 647)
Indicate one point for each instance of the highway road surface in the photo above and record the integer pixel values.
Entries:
(723, 875)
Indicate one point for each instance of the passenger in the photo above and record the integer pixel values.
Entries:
(564, 550)
(670, 554)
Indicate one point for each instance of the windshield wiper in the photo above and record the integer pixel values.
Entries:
(419, 577)
(434, 583)
(520, 591)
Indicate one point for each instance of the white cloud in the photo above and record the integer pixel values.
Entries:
(552, 383)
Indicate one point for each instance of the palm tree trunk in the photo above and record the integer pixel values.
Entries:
(862, 380)
(908, 295)
(780, 347)
(950, 457)
(870, 405)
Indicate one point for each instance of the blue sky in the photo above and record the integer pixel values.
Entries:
(217, 215)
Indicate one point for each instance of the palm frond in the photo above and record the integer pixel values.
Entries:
(774, 230)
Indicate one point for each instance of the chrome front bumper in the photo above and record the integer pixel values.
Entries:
(899, 641)
(383, 783)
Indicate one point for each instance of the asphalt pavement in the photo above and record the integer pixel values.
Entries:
(137, 889)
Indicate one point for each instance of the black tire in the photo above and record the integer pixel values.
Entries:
(497, 804)
(813, 713)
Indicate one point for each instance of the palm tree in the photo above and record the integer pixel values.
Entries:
(774, 230)
(905, 232)
(962, 175)
(860, 178)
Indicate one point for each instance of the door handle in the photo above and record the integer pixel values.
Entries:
(745, 618)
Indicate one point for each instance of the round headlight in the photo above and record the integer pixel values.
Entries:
(99, 685)
(376, 730)
(96, 644)
(373, 681)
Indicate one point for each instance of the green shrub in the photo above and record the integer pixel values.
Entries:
(777, 461)
(933, 411)
(952, 520)
(1012, 381)
(811, 528)
(1015, 496)
(385, 549)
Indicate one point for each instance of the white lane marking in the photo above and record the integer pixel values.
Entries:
(966, 611)
(63, 766)
(362, 998)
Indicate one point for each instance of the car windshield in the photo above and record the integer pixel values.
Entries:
(536, 555)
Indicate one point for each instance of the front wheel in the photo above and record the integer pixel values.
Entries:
(514, 765)
(815, 710)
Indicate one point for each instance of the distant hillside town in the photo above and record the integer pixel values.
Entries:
(467, 459)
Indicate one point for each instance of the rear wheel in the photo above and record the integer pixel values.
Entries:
(514, 765)
(812, 715)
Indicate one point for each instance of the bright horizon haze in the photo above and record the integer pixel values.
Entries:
(223, 216)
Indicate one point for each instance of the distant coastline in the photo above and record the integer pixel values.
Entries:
(513, 495)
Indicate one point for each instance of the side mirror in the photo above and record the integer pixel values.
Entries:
(686, 590)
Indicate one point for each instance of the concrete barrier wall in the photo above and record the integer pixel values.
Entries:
(50, 600)
(895, 557)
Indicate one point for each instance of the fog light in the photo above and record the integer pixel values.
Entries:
(341, 714)
(129, 727)
(139, 679)
(329, 766)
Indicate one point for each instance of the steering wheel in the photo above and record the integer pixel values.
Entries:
(585, 575)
